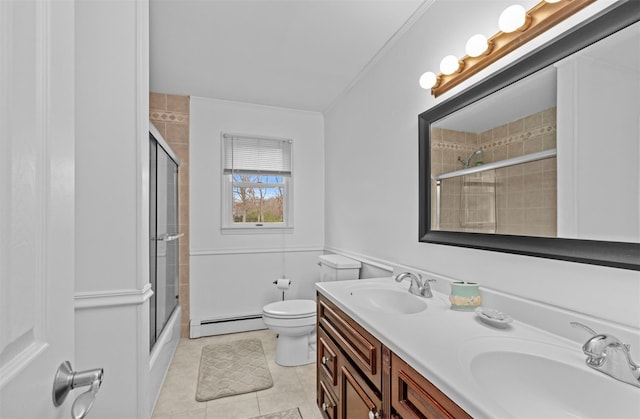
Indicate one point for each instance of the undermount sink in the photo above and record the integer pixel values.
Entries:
(531, 379)
(388, 300)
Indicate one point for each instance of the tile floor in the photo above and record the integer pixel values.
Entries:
(292, 386)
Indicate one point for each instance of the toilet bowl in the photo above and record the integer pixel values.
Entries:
(294, 321)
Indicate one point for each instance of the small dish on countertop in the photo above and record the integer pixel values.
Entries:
(493, 317)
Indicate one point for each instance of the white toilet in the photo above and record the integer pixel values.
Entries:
(295, 320)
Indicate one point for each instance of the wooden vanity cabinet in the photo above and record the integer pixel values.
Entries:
(357, 377)
(328, 360)
(348, 366)
(359, 346)
(413, 396)
(357, 398)
(342, 390)
(327, 401)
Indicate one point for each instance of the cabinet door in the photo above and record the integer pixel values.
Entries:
(357, 400)
(413, 396)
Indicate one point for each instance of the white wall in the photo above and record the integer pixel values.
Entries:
(112, 131)
(371, 181)
(232, 274)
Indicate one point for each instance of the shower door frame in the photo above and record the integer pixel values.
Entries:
(154, 239)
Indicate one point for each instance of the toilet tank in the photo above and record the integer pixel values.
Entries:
(338, 268)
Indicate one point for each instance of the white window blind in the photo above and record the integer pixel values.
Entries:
(257, 155)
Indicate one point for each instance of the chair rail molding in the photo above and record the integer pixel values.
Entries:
(217, 252)
(112, 298)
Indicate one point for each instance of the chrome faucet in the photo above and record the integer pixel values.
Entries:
(609, 355)
(418, 286)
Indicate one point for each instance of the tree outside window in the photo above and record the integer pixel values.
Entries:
(257, 179)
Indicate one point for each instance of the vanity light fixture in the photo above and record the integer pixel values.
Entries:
(450, 64)
(478, 45)
(517, 27)
(429, 80)
(514, 18)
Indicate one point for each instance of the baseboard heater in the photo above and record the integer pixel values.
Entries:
(221, 326)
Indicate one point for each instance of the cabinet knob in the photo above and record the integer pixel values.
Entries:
(326, 359)
(325, 407)
(373, 415)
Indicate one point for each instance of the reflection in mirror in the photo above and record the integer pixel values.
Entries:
(493, 163)
(489, 173)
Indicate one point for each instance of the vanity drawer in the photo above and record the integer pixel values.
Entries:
(326, 401)
(327, 354)
(359, 345)
(413, 396)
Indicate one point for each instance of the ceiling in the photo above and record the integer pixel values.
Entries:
(299, 54)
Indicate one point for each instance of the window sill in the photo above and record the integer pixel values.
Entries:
(253, 229)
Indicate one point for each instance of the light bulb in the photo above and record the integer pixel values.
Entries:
(428, 80)
(449, 65)
(476, 45)
(512, 18)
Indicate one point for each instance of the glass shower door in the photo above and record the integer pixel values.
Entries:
(164, 238)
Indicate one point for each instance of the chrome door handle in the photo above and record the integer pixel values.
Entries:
(66, 380)
(168, 237)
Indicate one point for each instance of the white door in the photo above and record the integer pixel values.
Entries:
(36, 203)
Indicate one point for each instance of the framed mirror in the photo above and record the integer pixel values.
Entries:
(542, 158)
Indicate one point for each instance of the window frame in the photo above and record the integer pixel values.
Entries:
(227, 226)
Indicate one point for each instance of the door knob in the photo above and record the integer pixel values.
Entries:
(66, 380)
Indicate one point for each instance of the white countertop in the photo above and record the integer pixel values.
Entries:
(433, 340)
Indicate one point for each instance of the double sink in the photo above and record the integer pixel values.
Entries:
(519, 372)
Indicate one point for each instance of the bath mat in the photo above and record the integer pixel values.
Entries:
(227, 369)
(285, 414)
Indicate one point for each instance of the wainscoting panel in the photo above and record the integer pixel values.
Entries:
(228, 284)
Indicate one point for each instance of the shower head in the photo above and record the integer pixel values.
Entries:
(475, 153)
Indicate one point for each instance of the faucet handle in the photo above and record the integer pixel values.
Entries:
(586, 328)
(426, 288)
(595, 347)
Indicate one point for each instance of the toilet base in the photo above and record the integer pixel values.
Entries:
(292, 351)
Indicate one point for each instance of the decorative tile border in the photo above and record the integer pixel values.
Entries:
(167, 116)
(511, 139)
(520, 137)
(445, 145)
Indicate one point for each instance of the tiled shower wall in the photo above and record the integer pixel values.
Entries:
(517, 200)
(170, 115)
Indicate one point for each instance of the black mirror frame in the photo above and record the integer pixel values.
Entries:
(613, 254)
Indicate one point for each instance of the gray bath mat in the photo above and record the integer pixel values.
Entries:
(227, 369)
(285, 414)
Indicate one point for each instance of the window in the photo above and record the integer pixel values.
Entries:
(256, 183)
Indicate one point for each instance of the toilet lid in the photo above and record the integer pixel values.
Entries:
(290, 308)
